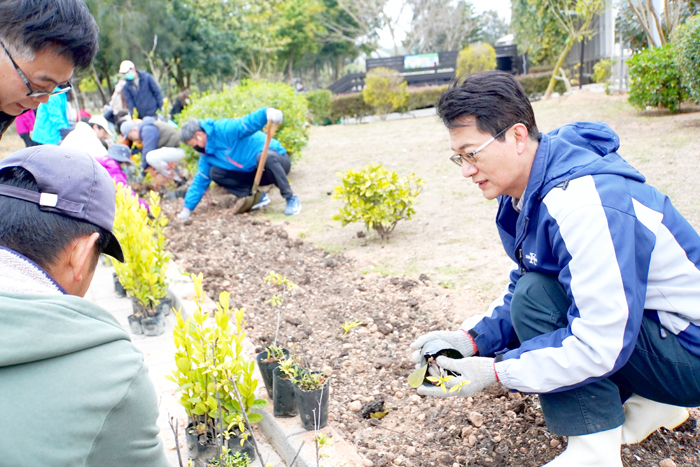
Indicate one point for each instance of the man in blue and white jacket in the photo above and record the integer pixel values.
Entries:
(601, 317)
(229, 152)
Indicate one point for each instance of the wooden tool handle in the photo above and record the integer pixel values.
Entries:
(271, 128)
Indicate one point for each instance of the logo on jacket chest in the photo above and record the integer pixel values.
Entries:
(532, 258)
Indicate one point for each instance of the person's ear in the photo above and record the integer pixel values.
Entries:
(521, 134)
(81, 256)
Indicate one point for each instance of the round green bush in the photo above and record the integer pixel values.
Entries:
(687, 42)
(475, 58)
(237, 101)
(655, 81)
(320, 106)
(385, 90)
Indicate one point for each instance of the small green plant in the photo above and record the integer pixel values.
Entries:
(602, 70)
(385, 90)
(655, 81)
(143, 272)
(227, 459)
(321, 440)
(310, 381)
(376, 197)
(211, 370)
(289, 367)
(475, 58)
(286, 287)
(274, 353)
(347, 327)
(687, 42)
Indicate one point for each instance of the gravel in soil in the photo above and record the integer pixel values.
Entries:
(371, 363)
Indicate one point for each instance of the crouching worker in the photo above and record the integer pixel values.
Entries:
(601, 315)
(230, 149)
(75, 390)
(161, 144)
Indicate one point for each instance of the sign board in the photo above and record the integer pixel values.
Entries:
(413, 62)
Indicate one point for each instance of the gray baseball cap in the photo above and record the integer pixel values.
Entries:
(71, 183)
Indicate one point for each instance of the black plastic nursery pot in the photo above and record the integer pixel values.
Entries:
(284, 403)
(144, 321)
(266, 368)
(202, 449)
(118, 287)
(166, 306)
(313, 406)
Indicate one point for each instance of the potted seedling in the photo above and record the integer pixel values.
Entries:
(143, 272)
(269, 358)
(284, 402)
(215, 380)
(311, 393)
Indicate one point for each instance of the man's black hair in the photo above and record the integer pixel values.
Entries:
(496, 99)
(66, 25)
(38, 234)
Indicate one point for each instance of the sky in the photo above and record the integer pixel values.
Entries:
(502, 7)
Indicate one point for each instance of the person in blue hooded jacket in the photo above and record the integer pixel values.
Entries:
(601, 318)
(229, 152)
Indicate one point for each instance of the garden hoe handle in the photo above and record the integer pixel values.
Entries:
(271, 128)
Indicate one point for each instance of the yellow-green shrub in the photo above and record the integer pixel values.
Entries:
(208, 359)
(385, 90)
(376, 197)
(143, 242)
(474, 58)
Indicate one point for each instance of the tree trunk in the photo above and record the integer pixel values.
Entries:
(291, 64)
(560, 61)
(105, 99)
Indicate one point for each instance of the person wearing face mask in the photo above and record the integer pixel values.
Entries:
(229, 152)
(141, 91)
(41, 43)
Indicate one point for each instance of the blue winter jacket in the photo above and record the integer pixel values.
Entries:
(618, 247)
(232, 144)
(147, 99)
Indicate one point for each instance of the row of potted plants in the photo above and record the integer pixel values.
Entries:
(143, 273)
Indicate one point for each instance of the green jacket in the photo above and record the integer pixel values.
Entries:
(74, 391)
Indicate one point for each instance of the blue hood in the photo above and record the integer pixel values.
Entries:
(573, 151)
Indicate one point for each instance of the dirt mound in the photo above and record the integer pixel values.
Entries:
(372, 362)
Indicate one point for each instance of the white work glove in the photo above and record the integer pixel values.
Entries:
(274, 115)
(184, 214)
(460, 340)
(476, 372)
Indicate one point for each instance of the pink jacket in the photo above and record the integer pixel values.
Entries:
(25, 122)
(117, 174)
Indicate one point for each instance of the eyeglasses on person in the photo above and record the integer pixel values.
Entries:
(469, 157)
(32, 93)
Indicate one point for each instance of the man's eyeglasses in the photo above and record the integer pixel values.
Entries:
(32, 93)
(469, 158)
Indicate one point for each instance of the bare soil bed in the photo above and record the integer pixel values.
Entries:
(372, 362)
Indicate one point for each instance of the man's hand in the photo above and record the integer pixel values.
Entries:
(274, 115)
(184, 214)
(473, 375)
(460, 340)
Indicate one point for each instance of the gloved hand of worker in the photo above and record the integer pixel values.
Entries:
(184, 214)
(274, 115)
(460, 340)
(473, 375)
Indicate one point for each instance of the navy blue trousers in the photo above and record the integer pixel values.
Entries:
(277, 167)
(659, 368)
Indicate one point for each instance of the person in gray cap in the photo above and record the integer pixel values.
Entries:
(75, 390)
(41, 43)
(161, 144)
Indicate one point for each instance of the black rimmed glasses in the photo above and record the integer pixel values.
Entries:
(32, 93)
(469, 158)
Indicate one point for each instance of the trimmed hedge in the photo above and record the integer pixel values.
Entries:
(535, 85)
(320, 106)
(353, 106)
